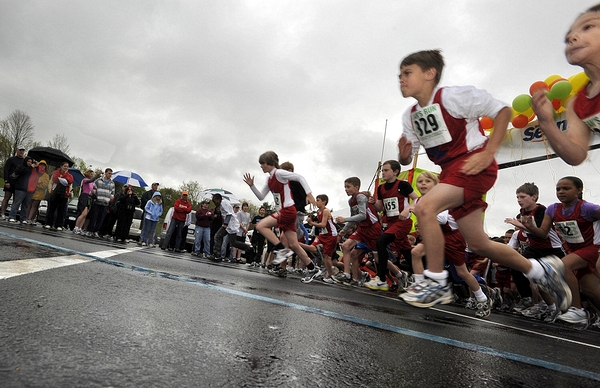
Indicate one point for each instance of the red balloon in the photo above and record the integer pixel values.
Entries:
(537, 85)
(520, 121)
(487, 122)
(556, 104)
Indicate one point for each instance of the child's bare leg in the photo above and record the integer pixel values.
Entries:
(441, 197)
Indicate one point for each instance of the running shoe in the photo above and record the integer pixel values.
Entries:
(280, 272)
(24, 222)
(496, 295)
(535, 311)
(471, 304)
(484, 309)
(12, 220)
(523, 304)
(282, 255)
(59, 229)
(377, 285)
(402, 281)
(575, 316)
(430, 294)
(549, 316)
(328, 280)
(341, 277)
(554, 282)
(355, 283)
(312, 274)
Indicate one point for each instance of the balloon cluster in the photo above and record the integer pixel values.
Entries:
(558, 89)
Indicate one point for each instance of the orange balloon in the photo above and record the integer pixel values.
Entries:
(556, 104)
(555, 81)
(520, 121)
(538, 85)
(487, 122)
(552, 78)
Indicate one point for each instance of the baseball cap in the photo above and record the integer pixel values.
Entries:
(236, 205)
(184, 193)
(20, 147)
(156, 183)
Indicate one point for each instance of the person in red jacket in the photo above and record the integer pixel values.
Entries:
(181, 208)
(61, 182)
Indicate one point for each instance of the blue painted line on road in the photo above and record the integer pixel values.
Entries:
(416, 334)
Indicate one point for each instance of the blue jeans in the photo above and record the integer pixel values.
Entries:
(22, 199)
(202, 236)
(148, 230)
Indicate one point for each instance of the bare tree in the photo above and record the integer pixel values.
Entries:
(18, 129)
(193, 188)
(60, 142)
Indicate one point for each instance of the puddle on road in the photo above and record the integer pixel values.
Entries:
(13, 249)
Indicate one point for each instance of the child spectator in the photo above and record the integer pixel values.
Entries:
(152, 211)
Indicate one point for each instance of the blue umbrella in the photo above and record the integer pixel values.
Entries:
(77, 176)
(129, 178)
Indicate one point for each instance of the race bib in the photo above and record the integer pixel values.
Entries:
(570, 232)
(429, 126)
(391, 207)
(277, 199)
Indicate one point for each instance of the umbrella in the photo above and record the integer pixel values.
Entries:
(129, 178)
(227, 195)
(77, 176)
(52, 156)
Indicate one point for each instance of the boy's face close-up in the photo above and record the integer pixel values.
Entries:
(350, 189)
(412, 78)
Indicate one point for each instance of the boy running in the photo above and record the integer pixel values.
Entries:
(285, 216)
(368, 229)
(392, 197)
(446, 122)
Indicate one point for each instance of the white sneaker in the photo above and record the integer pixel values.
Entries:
(282, 255)
(377, 285)
(574, 316)
(47, 226)
(12, 220)
(144, 244)
(59, 229)
(24, 222)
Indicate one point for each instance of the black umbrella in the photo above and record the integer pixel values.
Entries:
(52, 156)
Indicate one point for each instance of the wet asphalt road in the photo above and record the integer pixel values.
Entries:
(130, 317)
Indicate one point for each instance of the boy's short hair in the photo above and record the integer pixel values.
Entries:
(245, 204)
(353, 180)
(108, 169)
(270, 158)
(529, 189)
(394, 164)
(323, 198)
(288, 166)
(426, 60)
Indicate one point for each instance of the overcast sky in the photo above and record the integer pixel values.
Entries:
(197, 90)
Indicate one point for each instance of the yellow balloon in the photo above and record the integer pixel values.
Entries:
(578, 81)
(528, 113)
(551, 79)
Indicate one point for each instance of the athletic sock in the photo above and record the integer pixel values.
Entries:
(479, 295)
(536, 272)
(440, 277)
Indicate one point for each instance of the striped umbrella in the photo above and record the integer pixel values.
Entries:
(227, 195)
(129, 178)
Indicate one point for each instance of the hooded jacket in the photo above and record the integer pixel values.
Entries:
(153, 210)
